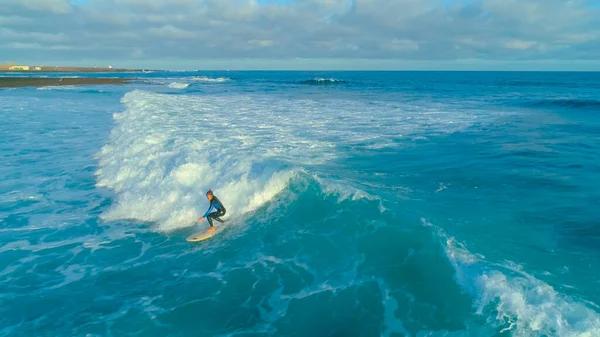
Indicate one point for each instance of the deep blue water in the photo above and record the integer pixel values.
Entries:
(359, 204)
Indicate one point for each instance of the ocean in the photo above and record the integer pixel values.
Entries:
(358, 204)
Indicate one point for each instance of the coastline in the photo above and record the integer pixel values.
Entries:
(18, 82)
(57, 69)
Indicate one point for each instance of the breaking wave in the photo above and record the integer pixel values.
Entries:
(178, 85)
(165, 152)
(323, 81)
(515, 301)
(210, 79)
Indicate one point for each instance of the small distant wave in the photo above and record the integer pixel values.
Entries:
(178, 85)
(345, 192)
(524, 83)
(58, 87)
(568, 103)
(210, 79)
(79, 89)
(323, 81)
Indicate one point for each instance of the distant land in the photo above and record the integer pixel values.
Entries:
(40, 81)
(20, 68)
(30, 81)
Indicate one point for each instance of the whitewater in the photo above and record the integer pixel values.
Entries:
(359, 204)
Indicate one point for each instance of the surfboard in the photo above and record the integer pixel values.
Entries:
(200, 236)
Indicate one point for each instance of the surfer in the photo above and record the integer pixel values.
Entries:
(216, 204)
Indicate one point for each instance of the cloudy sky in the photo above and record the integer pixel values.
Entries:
(304, 34)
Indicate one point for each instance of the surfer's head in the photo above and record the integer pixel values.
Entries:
(209, 195)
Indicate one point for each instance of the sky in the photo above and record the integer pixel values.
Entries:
(304, 34)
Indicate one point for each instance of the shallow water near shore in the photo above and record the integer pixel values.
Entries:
(359, 204)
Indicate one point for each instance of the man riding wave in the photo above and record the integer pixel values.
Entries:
(215, 204)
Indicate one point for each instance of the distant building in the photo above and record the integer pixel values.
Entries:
(37, 68)
(18, 68)
(109, 67)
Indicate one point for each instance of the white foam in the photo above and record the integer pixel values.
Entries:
(14, 196)
(441, 188)
(210, 79)
(520, 303)
(344, 191)
(58, 87)
(178, 85)
(325, 80)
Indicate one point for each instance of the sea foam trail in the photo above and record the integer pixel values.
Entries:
(167, 150)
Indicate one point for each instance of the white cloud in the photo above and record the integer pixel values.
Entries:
(13, 35)
(401, 45)
(23, 45)
(416, 30)
(170, 32)
(14, 20)
(52, 6)
(520, 44)
(261, 43)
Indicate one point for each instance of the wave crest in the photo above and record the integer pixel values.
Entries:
(178, 85)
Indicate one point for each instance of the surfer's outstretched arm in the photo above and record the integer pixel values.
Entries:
(206, 214)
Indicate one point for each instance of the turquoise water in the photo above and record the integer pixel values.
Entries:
(359, 204)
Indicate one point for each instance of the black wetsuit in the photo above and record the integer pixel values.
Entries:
(215, 203)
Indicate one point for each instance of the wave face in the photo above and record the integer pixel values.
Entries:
(404, 204)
